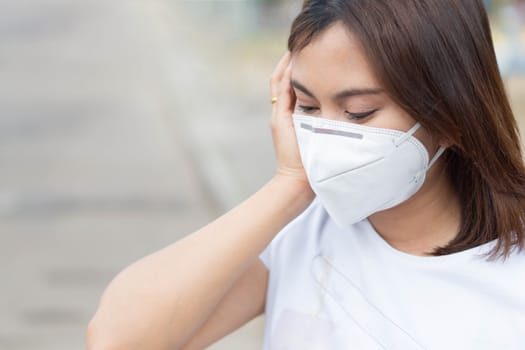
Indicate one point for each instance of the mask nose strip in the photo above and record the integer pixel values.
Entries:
(315, 130)
(407, 134)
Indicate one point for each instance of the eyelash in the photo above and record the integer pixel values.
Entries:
(355, 116)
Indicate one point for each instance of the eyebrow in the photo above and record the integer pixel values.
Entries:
(340, 95)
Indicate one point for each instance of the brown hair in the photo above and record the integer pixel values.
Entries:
(436, 60)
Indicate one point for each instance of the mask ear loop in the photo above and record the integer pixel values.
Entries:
(438, 154)
(407, 134)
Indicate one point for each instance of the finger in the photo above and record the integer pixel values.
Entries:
(286, 97)
(275, 86)
(278, 74)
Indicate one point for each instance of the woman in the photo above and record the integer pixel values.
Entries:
(394, 219)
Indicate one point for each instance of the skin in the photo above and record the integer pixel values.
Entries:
(335, 61)
(196, 290)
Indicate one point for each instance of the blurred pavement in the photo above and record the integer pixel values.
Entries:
(109, 152)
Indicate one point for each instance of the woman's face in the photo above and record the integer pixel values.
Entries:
(332, 79)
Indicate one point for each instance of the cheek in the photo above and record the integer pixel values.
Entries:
(392, 118)
(426, 139)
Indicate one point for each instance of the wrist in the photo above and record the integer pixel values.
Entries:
(295, 186)
(293, 177)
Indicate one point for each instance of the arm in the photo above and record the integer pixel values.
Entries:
(161, 300)
(168, 299)
(243, 302)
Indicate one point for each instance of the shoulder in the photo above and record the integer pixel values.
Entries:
(300, 236)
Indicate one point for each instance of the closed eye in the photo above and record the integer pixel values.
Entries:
(306, 109)
(352, 116)
(360, 116)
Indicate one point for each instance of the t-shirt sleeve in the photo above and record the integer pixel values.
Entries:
(266, 255)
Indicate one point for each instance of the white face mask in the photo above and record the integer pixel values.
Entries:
(357, 170)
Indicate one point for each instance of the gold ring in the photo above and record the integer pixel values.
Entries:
(273, 100)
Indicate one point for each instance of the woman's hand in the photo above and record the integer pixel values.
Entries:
(289, 165)
(174, 306)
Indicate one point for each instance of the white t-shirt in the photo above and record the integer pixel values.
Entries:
(332, 288)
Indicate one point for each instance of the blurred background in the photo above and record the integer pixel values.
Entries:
(125, 125)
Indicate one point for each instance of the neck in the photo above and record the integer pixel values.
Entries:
(429, 219)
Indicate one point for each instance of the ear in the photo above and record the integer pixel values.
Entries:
(445, 144)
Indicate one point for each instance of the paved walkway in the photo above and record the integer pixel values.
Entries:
(108, 153)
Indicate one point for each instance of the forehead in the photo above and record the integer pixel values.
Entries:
(333, 60)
